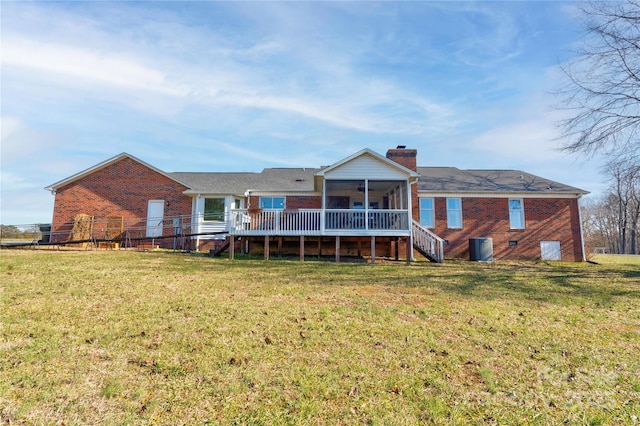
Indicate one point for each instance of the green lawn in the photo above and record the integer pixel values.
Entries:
(617, 259)
(115, 337)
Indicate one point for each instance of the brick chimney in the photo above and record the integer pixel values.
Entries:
(403, 156)
(407, 157)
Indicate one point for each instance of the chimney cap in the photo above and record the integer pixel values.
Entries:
(401, 147)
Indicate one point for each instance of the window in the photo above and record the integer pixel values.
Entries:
(214, 209)
(272, 203)
(516, 214)
(426, 213)
(454, 212)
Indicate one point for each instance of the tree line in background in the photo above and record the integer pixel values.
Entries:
(611, 223)
(602, 98)
(13, 232)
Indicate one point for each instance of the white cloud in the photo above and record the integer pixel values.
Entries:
(12, 180)
(19, 142)
(291, 84)
(287, 68)
(99, 67)
(531, 139)
(214, 88)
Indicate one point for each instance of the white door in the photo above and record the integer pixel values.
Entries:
(155, 213)
(550, 250)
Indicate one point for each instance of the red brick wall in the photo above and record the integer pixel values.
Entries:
(119, 189)
(293, 202)
(545, 220)
(304, 202)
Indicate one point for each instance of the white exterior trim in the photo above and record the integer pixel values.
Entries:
(255, 193)
(584, 255)
(199, 225)
(407, 173)
(495, 195)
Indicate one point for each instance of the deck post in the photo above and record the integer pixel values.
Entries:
(266, 247)
(396, 246)
(408, 250)
(301, 248)
(232, 246)
(338, 249)
(373, 249)
(279, 246)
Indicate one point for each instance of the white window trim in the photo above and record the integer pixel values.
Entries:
(284, 202)
(521, 211)
(432, 211)
(451, 210)
(224, 209)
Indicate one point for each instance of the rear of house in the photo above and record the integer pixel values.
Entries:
(366, 205)
(525, 216)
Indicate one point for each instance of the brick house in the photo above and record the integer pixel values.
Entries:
(366, 205)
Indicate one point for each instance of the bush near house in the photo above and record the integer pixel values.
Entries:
(119, 337)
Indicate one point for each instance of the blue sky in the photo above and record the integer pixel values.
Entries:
(239, 86)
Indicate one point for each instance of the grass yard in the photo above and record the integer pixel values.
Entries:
(116, 337)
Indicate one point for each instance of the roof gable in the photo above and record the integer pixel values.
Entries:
(367, 164)
(106, 163)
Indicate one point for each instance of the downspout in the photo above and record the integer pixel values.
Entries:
(196, 220)
(584, 255)
(247, 195)
(323, 206)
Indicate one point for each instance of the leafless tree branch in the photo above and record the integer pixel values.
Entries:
(603, 85)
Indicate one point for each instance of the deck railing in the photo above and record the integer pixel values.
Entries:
(127, 230)
(319, 222)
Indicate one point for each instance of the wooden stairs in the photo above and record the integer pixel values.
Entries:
(427, 243)
(224, 247)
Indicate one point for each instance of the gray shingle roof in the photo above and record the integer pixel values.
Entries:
(452, 179)
(285, 180)
(432, 179)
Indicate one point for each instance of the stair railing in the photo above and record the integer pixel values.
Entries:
(428, 242)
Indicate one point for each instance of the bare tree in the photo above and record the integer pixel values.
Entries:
(633, 181)
(596, 229)
(621, 196)
(603, 88)
(612, 221)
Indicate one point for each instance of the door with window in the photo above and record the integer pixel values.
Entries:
(155, 215)
(357, 218)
